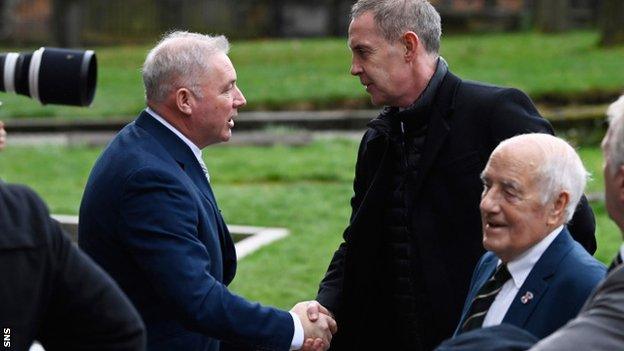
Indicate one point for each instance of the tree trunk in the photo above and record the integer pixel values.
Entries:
(66, 24)
(551, 16)
(611, 23)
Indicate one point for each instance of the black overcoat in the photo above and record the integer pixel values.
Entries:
(467, 120)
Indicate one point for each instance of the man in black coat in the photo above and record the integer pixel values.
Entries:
(399, 279)
(51, 291)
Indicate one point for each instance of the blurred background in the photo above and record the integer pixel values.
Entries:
(98, 22)
(291, 160)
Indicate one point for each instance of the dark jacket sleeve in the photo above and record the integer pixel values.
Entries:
(513, 113)
(63, 299)
(87, 309)
(330, 289)
(160, 219)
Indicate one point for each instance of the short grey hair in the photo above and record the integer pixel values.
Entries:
(560, 168)
(395, 17)
(180, 60)
(615, 143)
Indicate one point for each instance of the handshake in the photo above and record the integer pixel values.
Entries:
(318, 325)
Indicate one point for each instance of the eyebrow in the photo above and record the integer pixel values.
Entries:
(360, 47)
(506, 183)
(512, 184)
(231, 82)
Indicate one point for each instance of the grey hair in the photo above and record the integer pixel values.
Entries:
(560, 169)
(395, 17)
(180, 60)
(615, 143)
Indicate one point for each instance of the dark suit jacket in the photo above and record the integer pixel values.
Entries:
(560, 282)
(502, 337)
(51, 291)
(600, 324)
(467, 121)
(149, 218)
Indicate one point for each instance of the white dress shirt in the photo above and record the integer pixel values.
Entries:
(622, 251)
(520, 268)
(297, 341)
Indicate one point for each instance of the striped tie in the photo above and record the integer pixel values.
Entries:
(482, 302)
(204, 168)
(616, 262)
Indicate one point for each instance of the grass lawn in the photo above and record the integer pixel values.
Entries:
(314, 73)
(305, 189)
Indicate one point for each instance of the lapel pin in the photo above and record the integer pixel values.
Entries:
(526, 298)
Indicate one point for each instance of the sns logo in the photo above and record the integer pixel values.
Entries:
(7, 337)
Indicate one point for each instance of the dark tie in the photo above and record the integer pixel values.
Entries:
(616, 262)
(482, 302)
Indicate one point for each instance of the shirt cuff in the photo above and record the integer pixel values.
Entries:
(297, 340)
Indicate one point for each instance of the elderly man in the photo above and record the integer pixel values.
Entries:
(414, 235)
(600, 324)
(150, 218)
(534, 275)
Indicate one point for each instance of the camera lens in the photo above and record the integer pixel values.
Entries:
(51, 75)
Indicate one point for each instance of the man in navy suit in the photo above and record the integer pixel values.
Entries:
(149, 216)
(534, 275)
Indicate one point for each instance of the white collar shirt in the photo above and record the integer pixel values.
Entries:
(519, 268)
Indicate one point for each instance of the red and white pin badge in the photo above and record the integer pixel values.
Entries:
(526, 298)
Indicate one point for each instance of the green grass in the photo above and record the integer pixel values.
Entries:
(305, 189)
(314, 73)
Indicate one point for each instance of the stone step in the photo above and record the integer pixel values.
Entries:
(247, 239)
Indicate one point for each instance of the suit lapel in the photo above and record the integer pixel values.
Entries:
(537, 283)
(187, 161)
(485, 272)
(439, 126)
(180, 152)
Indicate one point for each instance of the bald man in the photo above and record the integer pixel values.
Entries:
(534, 275)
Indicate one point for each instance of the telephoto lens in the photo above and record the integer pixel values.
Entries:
(51, 75)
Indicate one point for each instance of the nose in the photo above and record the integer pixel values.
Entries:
(356, 68)
(239, 99)
(489, 201)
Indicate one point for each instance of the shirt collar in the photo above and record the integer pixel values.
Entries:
(426, 97)
(196, 151)
(622, 250)
(522, 265)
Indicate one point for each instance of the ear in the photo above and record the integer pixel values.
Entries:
(411, 42)
(183, 98)
(559, 206)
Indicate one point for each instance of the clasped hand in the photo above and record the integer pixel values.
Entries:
(318, 325)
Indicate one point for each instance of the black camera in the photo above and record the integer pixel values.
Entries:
(50, 75)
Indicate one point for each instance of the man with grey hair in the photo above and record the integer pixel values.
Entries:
(149, 216)
(414, 234)
(534, 275)
(600, 324)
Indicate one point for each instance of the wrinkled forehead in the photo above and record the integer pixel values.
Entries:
(514, 163)
(363, 30)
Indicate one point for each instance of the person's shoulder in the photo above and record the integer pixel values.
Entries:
(471, 89)
(615, 281)
(20, 197)
(582, 267)
(24, 217)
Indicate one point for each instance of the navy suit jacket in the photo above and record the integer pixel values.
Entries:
(560, 282)
(150, 219)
